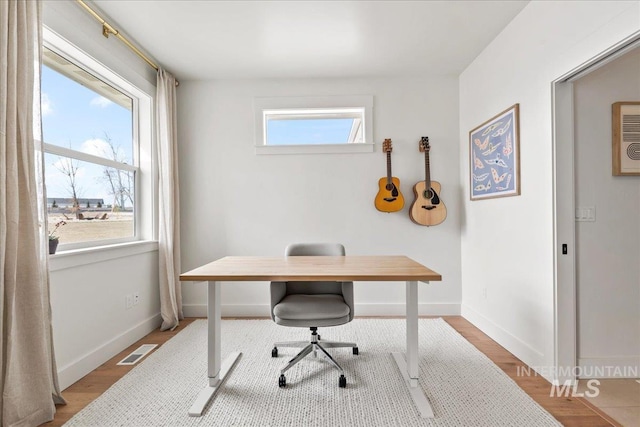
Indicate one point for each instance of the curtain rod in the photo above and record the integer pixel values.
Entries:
(108, 29)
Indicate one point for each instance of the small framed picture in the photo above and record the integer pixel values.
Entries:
(494, 156)
(625, 121)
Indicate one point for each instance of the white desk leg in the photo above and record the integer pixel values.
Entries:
(216, 370)
(409, 367)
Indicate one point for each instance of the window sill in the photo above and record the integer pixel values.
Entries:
(79, 257)
(316, 149)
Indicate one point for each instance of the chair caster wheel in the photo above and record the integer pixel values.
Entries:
(274, 352)
(282, 381)
(343, 381)
(355, 351)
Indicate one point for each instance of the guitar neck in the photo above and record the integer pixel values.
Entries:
(427, 170)
(389, 167)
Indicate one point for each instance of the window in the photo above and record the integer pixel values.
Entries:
(92, 162)
(340, 124)
(321, 126)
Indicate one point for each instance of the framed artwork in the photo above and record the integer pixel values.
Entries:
(494, 156)
(625, 121)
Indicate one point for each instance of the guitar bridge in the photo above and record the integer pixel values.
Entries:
(428, 207)
(390, 199)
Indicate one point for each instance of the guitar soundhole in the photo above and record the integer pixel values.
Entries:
(389, 187)
(432, 197)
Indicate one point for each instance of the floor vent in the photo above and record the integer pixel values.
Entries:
(137, 354)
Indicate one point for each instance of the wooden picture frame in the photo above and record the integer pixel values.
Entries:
(494, 156)
(625, 138)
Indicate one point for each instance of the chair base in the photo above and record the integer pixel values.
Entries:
(313, 347)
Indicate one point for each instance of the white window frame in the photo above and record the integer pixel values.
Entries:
(312, 106)
(142, 133)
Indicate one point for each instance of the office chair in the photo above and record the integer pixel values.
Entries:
(312, 304)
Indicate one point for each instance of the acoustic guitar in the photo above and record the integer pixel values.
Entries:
(389, 197)
(427, 208)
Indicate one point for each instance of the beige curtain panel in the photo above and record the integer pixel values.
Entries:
(28, 378)
(168, 202)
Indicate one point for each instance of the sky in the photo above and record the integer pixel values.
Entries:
(76, 117)
(309, 131)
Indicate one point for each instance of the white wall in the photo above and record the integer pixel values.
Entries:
(608, 250)
(90, 322)
(234, 202)
(545, 41)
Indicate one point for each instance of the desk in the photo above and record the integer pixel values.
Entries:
(311, 268)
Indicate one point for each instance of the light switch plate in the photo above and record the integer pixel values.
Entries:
(586, 214)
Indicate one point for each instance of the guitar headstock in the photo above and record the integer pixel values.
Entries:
(386, 146)
(423, 145)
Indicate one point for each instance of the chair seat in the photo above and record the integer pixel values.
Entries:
(311, 307)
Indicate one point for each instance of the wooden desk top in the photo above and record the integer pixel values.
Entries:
(313, 268)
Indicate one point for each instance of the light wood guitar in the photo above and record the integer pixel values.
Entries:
(427, 208)
(389, 197)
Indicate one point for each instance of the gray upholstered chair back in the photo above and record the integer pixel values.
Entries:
(314, 249)
(280, 289)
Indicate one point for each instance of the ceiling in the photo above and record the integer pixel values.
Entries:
(201, 40)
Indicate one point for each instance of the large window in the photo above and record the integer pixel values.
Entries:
(91, 155)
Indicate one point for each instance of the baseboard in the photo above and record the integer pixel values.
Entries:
(80, 367)
(523, 351)
(262, 310)
(609, 367)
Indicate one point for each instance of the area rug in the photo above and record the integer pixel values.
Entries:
(464, 387)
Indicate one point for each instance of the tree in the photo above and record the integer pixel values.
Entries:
(120, 181)
(69, 168)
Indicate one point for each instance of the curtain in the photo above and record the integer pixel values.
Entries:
(28, 378)
(169, 202)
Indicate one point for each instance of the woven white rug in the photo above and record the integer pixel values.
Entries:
(464, 387)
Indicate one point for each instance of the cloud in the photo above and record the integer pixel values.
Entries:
(46, 107)
(97, 147)
(101, 148)
(100, 101)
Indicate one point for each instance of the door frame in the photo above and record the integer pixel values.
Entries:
(563, 143)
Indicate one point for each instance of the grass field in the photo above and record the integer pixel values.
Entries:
(117, 225)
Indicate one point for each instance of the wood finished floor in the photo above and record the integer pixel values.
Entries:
(571, 412)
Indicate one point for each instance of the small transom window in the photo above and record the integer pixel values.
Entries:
(321, 126)
(313, 125)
